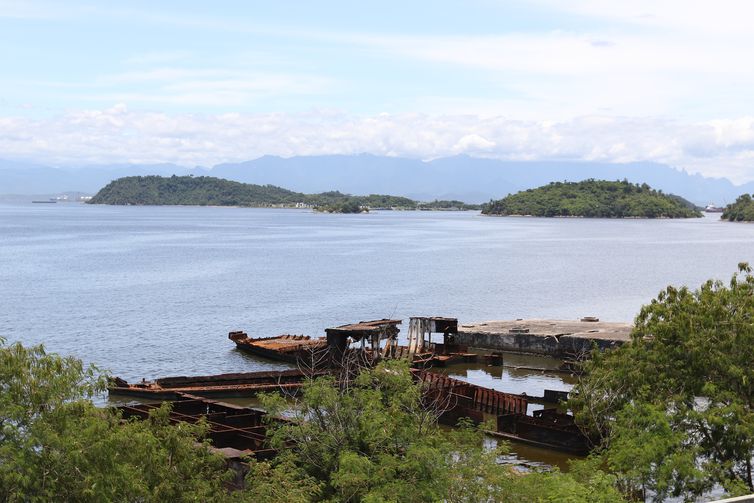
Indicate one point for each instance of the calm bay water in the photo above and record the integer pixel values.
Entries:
(153, 291)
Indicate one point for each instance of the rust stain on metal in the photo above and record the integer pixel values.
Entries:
(287, 348)
(472, 397)
(357, 331)
(221, 385)
(234, 431)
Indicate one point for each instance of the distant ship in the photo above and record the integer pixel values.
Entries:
(711, 208)
(45, 201)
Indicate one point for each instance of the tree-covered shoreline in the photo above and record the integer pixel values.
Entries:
(210, 191)
(740, 211)
(593, 199)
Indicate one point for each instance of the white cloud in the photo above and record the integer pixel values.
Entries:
(682, 59)
(723, 147)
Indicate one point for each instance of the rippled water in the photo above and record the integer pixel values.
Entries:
(153, 291)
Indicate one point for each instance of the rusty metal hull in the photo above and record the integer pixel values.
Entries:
(236, 432)
(285, 348)
(268, 353)
(221, 385)
(470, 399)
(548, 428)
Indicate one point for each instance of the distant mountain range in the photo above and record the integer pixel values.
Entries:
(463, 178)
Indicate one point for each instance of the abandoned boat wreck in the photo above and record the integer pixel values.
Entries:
(373, 341)
(368, 336)
(548, 428)
(285, 348)
(222, 385)
(455, 399)
(236, 432)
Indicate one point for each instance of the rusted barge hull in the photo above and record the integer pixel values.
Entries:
(461, 399)
(221, 385)
(285, 348)
(235, 431)
(546, 428)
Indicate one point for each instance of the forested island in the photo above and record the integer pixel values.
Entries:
(593, 199)
(210, 191)
(740, 211)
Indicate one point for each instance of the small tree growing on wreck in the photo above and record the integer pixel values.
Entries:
(674, 408)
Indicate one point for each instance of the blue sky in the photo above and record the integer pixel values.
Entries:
(209, 82)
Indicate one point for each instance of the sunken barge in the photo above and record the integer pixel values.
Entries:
(214, 386)
(284, 348)
(376, 340)
(368, 336)
(547, 428)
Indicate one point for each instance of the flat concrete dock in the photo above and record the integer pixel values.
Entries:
(558, 338)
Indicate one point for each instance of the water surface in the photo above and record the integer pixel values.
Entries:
(153, 291)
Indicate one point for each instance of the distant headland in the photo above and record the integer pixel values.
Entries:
(210, 191)
(593, 199)
(740, 211)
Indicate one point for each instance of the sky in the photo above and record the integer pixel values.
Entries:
(201, 83)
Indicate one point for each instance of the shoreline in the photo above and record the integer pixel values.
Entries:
(269, 207)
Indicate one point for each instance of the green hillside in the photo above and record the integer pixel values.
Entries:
(210, 191)
(594, 199)
(740, 211)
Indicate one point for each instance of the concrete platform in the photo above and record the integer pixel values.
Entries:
(558, 338)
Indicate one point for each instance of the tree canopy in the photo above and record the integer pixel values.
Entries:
(674, 408)
(593, 198)
(376, 438)
(55, 445)
(740, 211)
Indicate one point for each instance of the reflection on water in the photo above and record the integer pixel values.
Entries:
(517, 375)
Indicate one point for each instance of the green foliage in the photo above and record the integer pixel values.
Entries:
(189, 190)
(374, 439)
(349, 206)
(594, 199)
(448, 205)
(740, 211)
(209, 191)
(674, 408)
(56, 446)
(557, 487)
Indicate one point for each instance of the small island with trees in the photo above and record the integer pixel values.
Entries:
(211, 191)
(740, 211)
(593, 199)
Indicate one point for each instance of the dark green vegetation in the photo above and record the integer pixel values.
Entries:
(56, 446)
(209, 191)
(740, 211)
(452, 204)
(595, 199)
(348, 206)
(373, 440)
(674, 408)
(376, 438)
